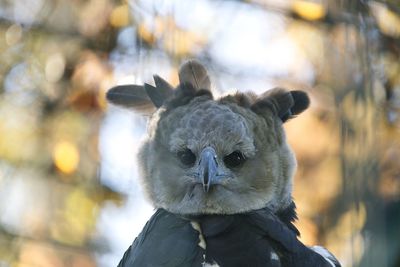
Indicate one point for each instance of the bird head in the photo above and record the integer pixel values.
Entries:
(213, 156)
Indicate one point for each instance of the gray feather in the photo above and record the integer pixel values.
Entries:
(160, 93)
(163, 85)
(194, 73)
(285, 104)
(130, 96)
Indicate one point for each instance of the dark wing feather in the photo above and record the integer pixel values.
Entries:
(271, 226)
(288, 216)
(253, 238)
(166, 240)
(232, 241)
(292, 252)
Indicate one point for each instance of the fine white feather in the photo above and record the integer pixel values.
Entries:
(202, 241)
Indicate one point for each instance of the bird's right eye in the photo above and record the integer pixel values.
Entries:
(187, 157)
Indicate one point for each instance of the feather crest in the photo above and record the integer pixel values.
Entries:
(194, 73)
(130, 96)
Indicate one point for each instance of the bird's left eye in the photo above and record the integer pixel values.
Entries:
(187, 157)
(235, 159)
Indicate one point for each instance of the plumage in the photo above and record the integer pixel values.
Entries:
(251, 239)
(161, 92)
(166, 240)
(163, 86)
(219, 172)
(194, 73)
(130, 96)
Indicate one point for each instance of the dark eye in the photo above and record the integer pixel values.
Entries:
(187, 157)
(235, 159)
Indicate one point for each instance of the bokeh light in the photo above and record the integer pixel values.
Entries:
(66, 157)
(309, 10)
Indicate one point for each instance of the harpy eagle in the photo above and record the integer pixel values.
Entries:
(219, 172)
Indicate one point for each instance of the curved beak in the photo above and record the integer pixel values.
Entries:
(208, 167)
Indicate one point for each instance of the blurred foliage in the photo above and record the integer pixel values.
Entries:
(58, 58)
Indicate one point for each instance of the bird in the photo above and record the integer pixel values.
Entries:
(219, 172)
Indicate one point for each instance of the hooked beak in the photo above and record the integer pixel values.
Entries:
(208, 167)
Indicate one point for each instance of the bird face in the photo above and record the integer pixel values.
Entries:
(207, 157)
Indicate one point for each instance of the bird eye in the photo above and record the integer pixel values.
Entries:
(187, 157)
(235, 159)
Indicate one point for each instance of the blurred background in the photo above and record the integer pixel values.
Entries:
(69, 194)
